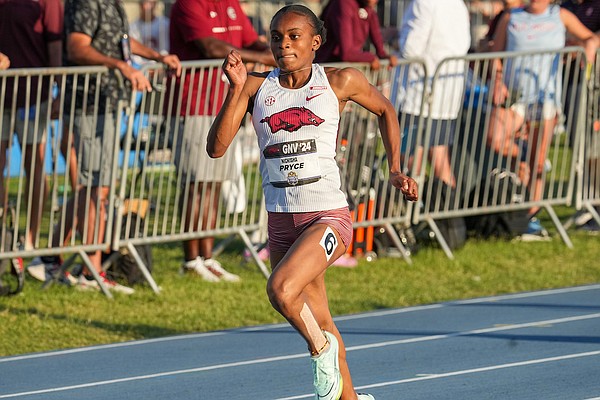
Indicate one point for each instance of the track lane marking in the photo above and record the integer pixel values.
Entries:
(465, 372)
(370, 314)
(304, 355)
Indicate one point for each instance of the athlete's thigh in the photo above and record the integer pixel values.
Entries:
(310, 255)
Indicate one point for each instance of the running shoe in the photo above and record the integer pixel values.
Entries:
(326, 370)
(364, 396)
(44, 271)
(591, 226)
(345, 261)
(216, 269)
(197, 267)
(84, 283)
(37, 268)
(264, 254)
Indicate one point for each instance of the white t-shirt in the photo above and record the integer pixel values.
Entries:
(433, 30)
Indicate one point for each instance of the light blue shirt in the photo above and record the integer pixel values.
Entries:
(537, 76)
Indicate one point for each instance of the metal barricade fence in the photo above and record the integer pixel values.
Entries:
(29, 99)
(28, 107)
(535, 150)
(375, 204)
(181, 197)
(590, 146)
(153, 198)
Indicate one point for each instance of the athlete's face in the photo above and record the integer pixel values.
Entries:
(293, 41)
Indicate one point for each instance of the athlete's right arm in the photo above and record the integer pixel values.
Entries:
(229, 118)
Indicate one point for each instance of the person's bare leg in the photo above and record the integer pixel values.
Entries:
(92, 214)
(296, 289)
(541, 137)
(37, 186)
(191, 248)
(440, 158)
(3, 191)
(210, 207)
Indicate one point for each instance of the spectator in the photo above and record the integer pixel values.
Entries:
(30, 36)
(200, 30)
(530, 115)
(150, 29)
(588, 12)
(350, 23)
(308, 217)
(4, 61)
(487, 42)
(482, 12)
(432, 31)
(96, 33)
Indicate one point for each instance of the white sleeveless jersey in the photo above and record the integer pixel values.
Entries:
(297, 134)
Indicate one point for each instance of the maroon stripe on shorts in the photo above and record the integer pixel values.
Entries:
(285, 228)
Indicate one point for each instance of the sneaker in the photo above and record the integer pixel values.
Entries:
(45, 271)
(84, 283)
(326, 370)
(590, 226)
(534, 226)
(37, 269)
(216, 269)
(346, 261)
(264, 254)
(582, 217)
(364, 396)
(197, 267)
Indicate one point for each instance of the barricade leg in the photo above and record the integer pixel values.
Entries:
(250, 247)
(143, 268)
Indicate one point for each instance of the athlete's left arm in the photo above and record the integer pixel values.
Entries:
(349, 84)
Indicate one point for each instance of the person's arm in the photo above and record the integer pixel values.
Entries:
(500, 91)
(229, 119)
(375, 35)
(349, 84)
(575, 28)
(4, 61)
(211, 47)
(80, 51)
(170, 60)
(53, 21)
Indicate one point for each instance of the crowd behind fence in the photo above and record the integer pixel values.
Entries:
(149, 194)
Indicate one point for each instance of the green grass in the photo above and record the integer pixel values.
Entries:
(40, 320)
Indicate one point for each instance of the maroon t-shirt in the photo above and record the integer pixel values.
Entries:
(26, 28)
(197, 19)
(348, 27)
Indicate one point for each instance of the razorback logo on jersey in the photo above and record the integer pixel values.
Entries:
(292, 119)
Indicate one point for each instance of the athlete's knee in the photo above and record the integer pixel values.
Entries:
(281, 295)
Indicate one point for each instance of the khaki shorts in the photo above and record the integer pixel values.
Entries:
(35, 122)
(94, 141)
(536, 111)
(191, 159)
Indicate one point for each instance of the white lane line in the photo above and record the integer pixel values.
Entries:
(473, 332)
(285, 325)
(465, 372)
(304, 355)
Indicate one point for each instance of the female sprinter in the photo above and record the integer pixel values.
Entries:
(296, 111)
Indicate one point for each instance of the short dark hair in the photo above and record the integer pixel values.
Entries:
(317, 24)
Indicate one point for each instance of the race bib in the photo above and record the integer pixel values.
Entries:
(292, 163)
